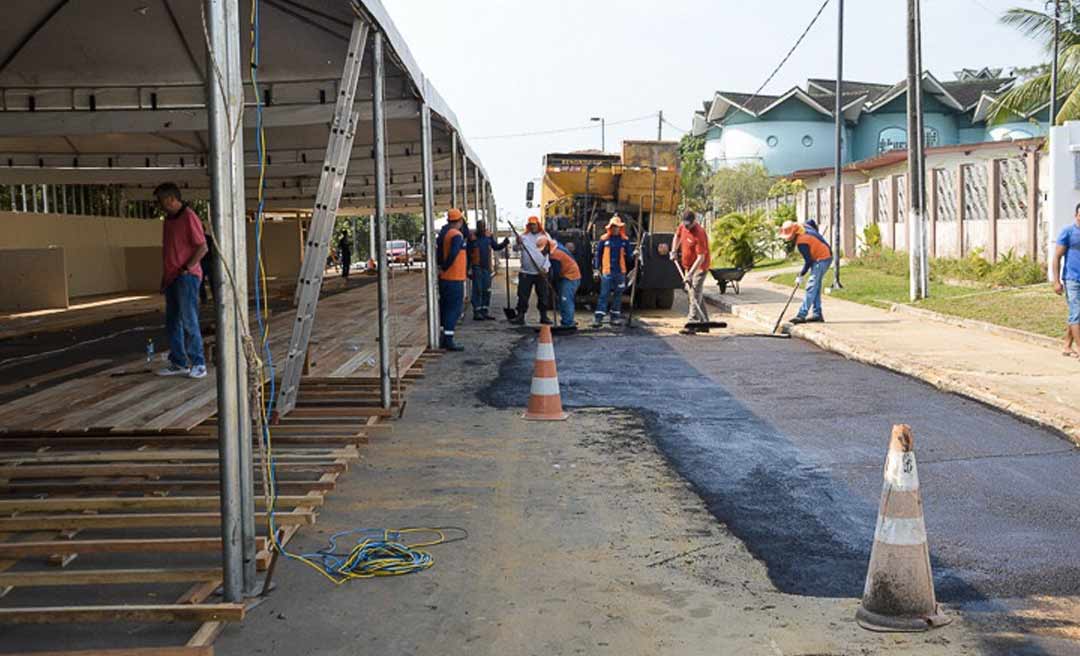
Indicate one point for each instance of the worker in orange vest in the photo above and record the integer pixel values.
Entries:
(565, 276)
(613, 260)
(817, 258)
(451, 258)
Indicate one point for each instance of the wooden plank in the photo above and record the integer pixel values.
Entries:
(190, 469)
(189, 650)
(139, 503)
(206, 635)
(148, 486)
(108, 576)
(30, 383)
(24, 523)
(14, 550)
(127, 613)
(53, 456)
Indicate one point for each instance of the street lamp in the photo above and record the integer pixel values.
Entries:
(603, 144)
(1054, 63)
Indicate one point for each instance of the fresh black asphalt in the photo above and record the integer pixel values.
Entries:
(785, 443)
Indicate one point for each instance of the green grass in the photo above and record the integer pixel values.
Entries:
(774, 264)
(872, 287)
(1034, 308)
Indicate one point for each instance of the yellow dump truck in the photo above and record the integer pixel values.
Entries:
(582, 190)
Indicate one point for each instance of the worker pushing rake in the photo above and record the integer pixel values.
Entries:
(690, 253)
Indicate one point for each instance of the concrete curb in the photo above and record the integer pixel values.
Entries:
(821, 336)
(974, 324)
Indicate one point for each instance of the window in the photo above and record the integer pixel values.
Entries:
(930, 137)
(772, 141)
(808, 141)
(1016, 134)
(892, 138)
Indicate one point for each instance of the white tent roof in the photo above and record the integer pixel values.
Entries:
(113, 91)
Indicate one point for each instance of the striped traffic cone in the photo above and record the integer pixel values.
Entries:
(545, 404)
(899, 593)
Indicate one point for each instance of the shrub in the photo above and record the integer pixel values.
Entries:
(742, 239)
(872, 237)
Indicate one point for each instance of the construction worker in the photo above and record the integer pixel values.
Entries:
(345, 250)
(534, 268)
(817, 258)
(565, 276)
(612, 260)
(481, 244)
(451, 256)
(691, 249)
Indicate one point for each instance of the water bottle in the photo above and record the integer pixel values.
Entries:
(149, 354)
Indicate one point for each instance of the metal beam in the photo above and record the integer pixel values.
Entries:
(454, 155)
(127, 121)
(379, 137)
(429, 231)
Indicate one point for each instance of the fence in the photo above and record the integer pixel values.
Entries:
(83, 200)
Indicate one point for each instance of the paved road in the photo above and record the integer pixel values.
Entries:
(786, 442)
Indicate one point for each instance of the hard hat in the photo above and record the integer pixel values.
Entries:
(454, 215)
(789, 230)
(543, 241)
(616, 221)
(534, 219)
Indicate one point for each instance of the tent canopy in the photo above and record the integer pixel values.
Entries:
(114, 92)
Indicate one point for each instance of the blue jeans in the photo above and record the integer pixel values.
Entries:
(481, 290)
(567, 293)
(1072, 297)
(812, 300)
(182, 322)
(451, 302)
(613, 283)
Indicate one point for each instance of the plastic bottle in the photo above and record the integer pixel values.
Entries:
(149, 354)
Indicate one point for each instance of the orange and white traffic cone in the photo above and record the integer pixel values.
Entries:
(545, 403)
(899, 593)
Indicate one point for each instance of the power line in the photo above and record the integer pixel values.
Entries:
(537, 133)
(673, 126)
(789, 54)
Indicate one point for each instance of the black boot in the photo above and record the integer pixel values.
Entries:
(545, 319)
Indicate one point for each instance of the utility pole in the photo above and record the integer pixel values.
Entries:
(660, 126)
(838, 111)
(603, 132)
(915, 157)
(1054, 63)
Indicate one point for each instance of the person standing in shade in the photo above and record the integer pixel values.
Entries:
(534, 268)
(613, 259)
(817, 258)
(1065, 269)
(565, 276)
(345, 253)
(451, 255)
(183, 247)
(691, 247)
(481, 244)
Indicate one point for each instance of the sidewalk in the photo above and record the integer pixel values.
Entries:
(1024, 379)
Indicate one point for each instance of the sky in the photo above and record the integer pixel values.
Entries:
(512, 66)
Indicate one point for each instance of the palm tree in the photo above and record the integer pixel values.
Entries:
(1034, 93)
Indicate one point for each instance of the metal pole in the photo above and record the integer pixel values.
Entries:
(660, 125)
(22, 189)
(222, 22)
(11, 197)
(603, 135)
(378, 92)
(453, 170)
(45, 198)
(914, 179)
(354, 229)
(1054, 64)
(476, 198)
(838, 110)
(465, 187)
(924, 215)
(64, 196)
(33, 197)
(428, 162)
(371, 238)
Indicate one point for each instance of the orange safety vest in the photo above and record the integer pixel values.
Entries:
(456, 270)
(605, 256)
(570, 269)
(818, 249)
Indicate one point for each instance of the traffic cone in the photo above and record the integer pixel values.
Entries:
(899, 592)
(545, 403)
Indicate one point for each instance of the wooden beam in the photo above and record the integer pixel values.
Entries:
(24, 523)
(190, 650)
(191, 469)
(138, 503)
(15, 550)
(149, 486)
(108, 576)
(126, 613)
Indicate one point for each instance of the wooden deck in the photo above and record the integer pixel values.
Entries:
(121, 394)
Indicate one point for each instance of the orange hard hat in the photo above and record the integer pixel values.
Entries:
(616, 221)
(533, 219)
(454, 215)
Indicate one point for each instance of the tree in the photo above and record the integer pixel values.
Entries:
(732, 188)
(1035, 92)
(742, 239)
(784, 187)
(695, 172)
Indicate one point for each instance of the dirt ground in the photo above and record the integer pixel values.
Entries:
(582, 540)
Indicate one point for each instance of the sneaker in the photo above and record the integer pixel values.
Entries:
(598, 321)
(450, 346)
(798, 320)
(477, 317)
(616, 320)
(818, 319)
(198, 371)
(688, 331)
(173, 370)
(488, 317)
(545, 320)
(518, 320)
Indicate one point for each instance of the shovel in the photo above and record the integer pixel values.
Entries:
(509, 312)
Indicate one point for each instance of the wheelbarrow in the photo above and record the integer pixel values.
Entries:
(726, 277)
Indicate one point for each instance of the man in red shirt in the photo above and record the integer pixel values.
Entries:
(691, 246)
(183, 247)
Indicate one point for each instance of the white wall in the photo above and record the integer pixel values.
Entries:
(748, 142)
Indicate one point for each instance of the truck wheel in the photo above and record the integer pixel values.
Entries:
(647, 299)
(665, 299)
